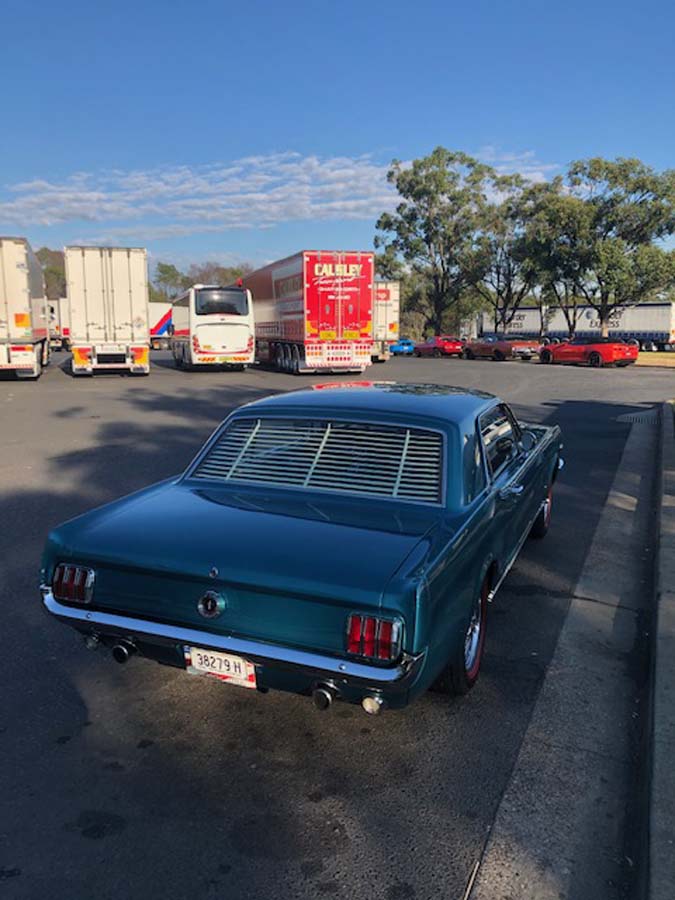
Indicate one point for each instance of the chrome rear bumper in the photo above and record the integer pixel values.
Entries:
(318, 665)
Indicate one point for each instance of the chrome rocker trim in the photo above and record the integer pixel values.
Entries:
(257, 652)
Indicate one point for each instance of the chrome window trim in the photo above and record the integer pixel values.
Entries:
(392, 423)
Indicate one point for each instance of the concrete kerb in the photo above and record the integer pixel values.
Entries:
(662, 787)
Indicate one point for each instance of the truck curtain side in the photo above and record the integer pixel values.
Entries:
(651, 324)
(108, 305)
(24, 311)
(160, 324)
(314, 311)
(386, 313)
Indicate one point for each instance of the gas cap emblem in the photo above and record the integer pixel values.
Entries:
(211, 605)
(213, 572)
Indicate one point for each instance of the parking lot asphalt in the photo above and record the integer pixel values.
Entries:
(135, 781)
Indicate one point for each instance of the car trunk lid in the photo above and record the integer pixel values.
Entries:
(289, 570)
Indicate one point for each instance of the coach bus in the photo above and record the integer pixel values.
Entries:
(213, 326)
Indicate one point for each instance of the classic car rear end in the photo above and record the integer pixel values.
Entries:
(300, 551)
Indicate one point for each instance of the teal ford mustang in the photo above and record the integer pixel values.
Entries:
(341, 543)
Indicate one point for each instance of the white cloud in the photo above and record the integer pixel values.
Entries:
(253, 192)
(526, 163)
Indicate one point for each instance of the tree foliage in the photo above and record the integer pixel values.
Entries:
(462, 230)
(54, 269)
(433, 229)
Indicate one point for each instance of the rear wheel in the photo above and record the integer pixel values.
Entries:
(437, 354)
(416, 353)
(498, 356)
(295, 360)
(467, 354)
(595, 361)
(543, 520)
(546, 357)
(463, 669)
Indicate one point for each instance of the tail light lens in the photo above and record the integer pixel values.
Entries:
(140, 354)
(251, 343)
(73, 583)
(374, 638)
(20, 348)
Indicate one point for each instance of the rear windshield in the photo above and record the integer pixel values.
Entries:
(222, 301)
(337, 456)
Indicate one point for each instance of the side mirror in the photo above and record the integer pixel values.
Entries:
(505, 446)
(528, 441)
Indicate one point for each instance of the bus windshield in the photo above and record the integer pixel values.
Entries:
(221, 301)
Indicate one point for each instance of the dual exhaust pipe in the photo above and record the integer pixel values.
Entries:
(121, 650)
(324, 694)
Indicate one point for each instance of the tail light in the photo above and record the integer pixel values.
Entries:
(73, 583)
(251, 343)
(140, 354)
(374, 638)
(195, 343)
(20, 348)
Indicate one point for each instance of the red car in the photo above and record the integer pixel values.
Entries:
(441, 345)
(501, 347)
(591, 351)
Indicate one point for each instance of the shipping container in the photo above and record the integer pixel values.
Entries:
(386, 313)
(314, 311)
(24, 311)
(213, 326)
(651, 324)
(160, 325)
(108, 303)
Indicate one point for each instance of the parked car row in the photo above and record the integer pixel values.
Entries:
(591, 351)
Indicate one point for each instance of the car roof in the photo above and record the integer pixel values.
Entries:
(390, 399)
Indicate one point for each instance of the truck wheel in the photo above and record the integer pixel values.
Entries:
(543, 520)
(463, 669)
(595, 361)
(295, 360)
(46, 354)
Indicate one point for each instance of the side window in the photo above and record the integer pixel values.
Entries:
(498, 432)
(474, 469)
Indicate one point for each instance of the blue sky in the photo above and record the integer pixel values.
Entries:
(247, 131)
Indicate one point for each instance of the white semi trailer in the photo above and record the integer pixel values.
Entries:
(651, 324)
(386, 315)
(108, 303)
(24, 311)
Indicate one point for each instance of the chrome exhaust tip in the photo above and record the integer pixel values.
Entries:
(122, 651)
(322, 697)
(373, 704)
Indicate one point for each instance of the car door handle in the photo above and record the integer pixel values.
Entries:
(513, 490)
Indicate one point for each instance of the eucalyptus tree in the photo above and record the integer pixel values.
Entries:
(624, 209)
(434, 228)
(506, 268)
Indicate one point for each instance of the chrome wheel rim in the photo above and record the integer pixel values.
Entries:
(473, 635)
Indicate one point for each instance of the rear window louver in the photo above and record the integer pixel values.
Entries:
(345, 457)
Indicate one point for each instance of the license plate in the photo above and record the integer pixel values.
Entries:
(222, 666)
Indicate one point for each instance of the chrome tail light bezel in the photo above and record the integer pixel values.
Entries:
(73, 583)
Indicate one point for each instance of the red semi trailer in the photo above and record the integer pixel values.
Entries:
(314, 311)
